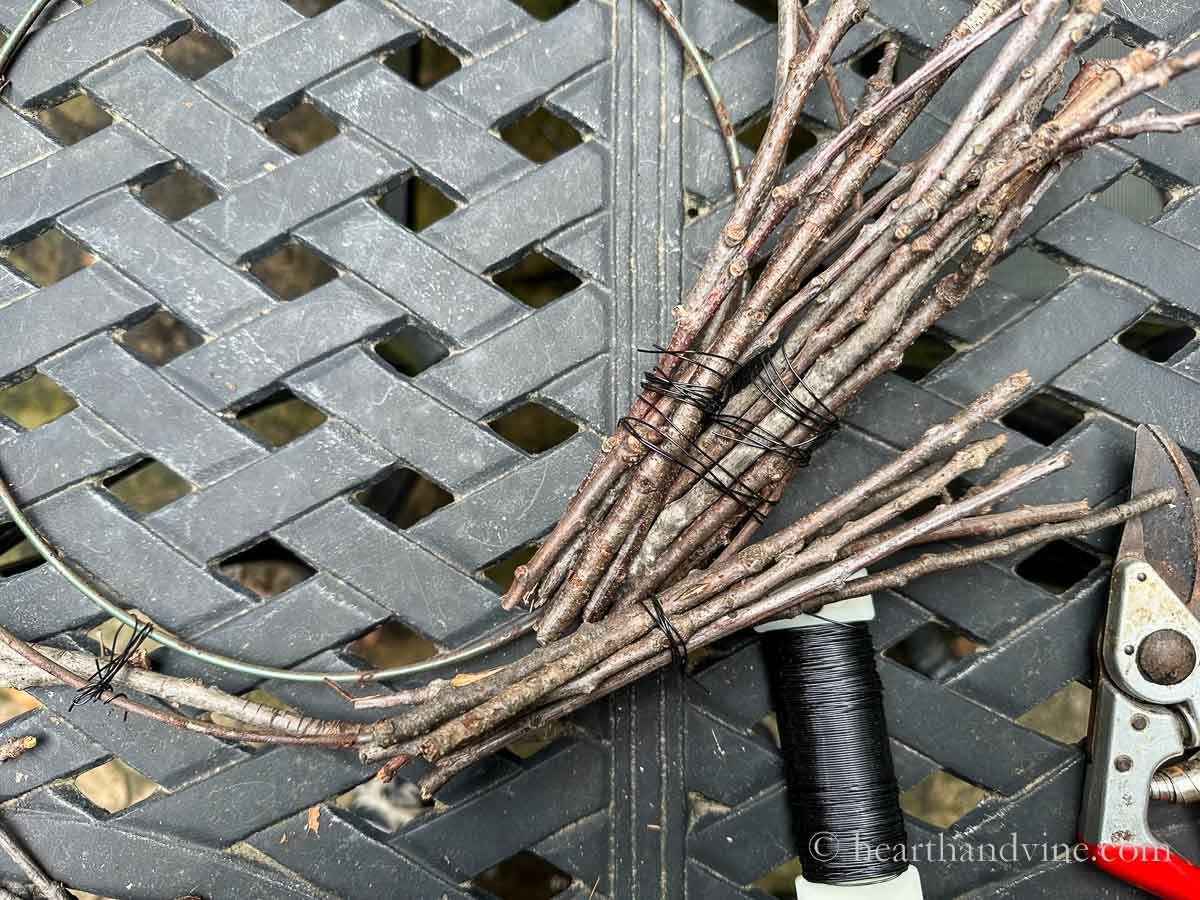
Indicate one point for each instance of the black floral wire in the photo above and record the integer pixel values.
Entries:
(770, 379)
(98, 688)
(668, 442)
(707, 398)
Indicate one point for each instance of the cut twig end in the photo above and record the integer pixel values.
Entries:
(17, 747)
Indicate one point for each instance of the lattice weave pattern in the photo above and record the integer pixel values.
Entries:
(609, 805)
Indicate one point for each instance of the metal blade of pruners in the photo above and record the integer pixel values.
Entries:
(1167, 537)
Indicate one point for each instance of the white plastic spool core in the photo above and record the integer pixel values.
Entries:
(905, 886)
(852, 609)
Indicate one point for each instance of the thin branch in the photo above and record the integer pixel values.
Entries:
(992, 524)
(49, 889)
(928, 564)
(15, 748)
(35, 658)
(720, 110)
(934, 441)
(840, 110)
(1127, 129)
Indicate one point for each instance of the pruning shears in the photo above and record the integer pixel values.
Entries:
(1145, 720)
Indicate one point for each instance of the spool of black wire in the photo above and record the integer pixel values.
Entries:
(846, 817)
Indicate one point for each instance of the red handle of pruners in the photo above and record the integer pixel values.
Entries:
(1157, 871)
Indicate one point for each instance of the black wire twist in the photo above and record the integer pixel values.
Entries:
(687, 454)
(707, 398)
(100, 684)
(769, 378)
(842, 789)
(676, 642)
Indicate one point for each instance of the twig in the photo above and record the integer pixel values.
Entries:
(50, 890)
(993, 524)
(588, 688)
(742, 605)
(796, 74)
(17, 672)
(939, 562)
(33, 656)
(15, 748)
(934, 441)
(746, 322)
(840, 111)
(1127, 129)
(720, 110)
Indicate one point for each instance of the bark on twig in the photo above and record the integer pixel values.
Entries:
(928, 564)
(45, 886)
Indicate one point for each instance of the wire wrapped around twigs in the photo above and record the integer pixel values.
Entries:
(673, 445)
(813, 420)
(99, 687)
(705, 397)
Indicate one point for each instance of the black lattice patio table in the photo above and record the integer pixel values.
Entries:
(669, 789)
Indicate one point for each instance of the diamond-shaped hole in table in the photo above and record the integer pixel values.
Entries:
(196, 54)
(392, 644)
(1043, 418)
(311, 8)
(281, 418)
(1057, 566)
(34, 401)
(302, 128)
(159, 338)
(266, 569)
(541, 136)
(404, 497)
(1134, 197)
(416, 204)
(1029, 274)
(410, 351)
(15, 703)
(147, 486)
(933, 649)
(536, 280)
(293, 271)
(74, 119)
(17, 555)
(112, 636)
(1157, 337)
(750, 136)
(545, 10)
(523, 876)
(115, 786)
(49, 257)
(502, 571)
(533, 427)
(767, 10)
(867, 62)
(176, 194)
(941, 799)
(536, 741)
(924, 355)
(424, 63)
(386, 806)
(1063, 716)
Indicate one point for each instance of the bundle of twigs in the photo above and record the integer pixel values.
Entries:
(748, 384)
(655, 554)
